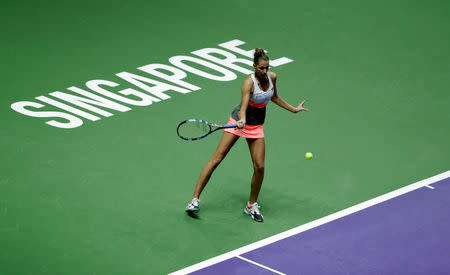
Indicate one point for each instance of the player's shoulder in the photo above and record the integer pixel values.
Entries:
(248, 80)
(248, 83)
(273, 75)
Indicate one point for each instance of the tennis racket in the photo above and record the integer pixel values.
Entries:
(195, 129)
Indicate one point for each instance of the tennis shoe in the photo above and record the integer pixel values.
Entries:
(193, 206)
(254, 212)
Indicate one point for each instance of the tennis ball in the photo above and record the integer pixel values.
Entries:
(308, 155)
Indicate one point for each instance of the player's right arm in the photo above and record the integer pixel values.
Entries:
(246, 89)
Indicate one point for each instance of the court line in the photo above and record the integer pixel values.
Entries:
(260, 265)
(429, 186)
(315, 223)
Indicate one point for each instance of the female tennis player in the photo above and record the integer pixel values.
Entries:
(257, 90)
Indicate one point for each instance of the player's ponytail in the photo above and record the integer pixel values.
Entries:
(259, 55)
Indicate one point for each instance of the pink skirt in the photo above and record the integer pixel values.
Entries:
(249, 131)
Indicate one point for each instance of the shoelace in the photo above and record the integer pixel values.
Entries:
(255, 208)
(195, 202)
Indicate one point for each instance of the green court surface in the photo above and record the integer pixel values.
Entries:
(108, 196)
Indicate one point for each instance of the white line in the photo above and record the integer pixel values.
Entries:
(429, 186)
(313, 224)
(260, 265)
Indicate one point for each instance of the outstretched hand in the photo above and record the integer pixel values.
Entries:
(300, 107)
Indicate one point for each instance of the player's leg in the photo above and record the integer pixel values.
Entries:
(257, 150)
(226, 142)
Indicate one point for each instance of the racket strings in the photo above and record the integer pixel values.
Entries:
(193, 129)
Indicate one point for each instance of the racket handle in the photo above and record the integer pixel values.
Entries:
(230, 126)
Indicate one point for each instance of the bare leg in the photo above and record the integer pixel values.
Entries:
(227, 141)
(257, 150)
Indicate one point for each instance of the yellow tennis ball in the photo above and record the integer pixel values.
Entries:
(308, 155)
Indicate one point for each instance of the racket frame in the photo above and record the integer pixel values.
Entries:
(211, 130)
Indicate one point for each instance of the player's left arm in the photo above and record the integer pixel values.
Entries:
(281, 102)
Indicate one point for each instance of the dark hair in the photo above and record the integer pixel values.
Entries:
(259, 54)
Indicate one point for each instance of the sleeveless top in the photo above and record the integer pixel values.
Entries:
(256, 109)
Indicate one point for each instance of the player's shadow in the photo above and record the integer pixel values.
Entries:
(193, 215)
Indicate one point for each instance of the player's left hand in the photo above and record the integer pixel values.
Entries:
(300, 107)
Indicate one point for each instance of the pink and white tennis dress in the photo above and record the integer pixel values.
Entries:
(256, 112)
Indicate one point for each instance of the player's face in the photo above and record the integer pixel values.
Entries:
(262, 67)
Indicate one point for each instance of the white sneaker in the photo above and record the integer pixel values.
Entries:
(254, 212)
(193, 206)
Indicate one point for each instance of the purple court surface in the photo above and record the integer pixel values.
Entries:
(408, 234)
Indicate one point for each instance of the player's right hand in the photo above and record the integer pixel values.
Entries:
(241, 124)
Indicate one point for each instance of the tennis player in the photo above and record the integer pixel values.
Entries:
(257, 90)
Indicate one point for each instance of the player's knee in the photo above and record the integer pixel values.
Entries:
(217, 159)
(258, 167)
